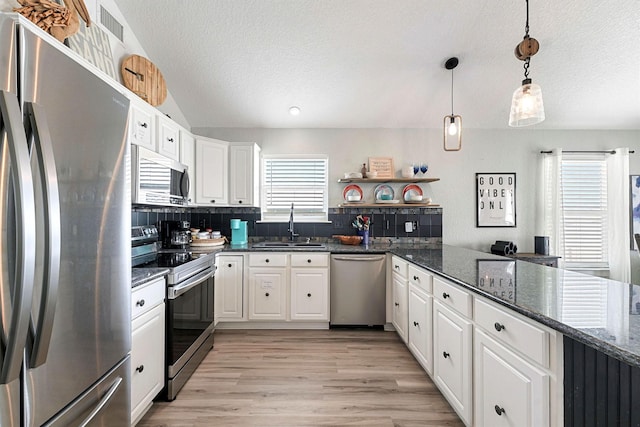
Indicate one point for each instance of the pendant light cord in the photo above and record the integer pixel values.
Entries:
(526, 36)
(452, 91)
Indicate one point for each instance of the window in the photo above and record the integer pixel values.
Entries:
(301, 180)
(584, 210)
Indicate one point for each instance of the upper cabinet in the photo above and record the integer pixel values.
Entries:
(211, 178)
(168, 134)
(244, 174)
(141, 128)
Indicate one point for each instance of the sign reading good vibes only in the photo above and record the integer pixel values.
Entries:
(495, 199)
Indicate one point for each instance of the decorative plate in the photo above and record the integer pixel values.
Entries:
(352, 190)
(411, 190)
(385, 189)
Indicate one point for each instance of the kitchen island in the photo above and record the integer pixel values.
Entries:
(598, 322)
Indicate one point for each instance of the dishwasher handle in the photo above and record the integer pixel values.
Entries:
(358, 258)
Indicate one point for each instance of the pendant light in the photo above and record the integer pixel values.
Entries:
(526, 106)
(452, 123)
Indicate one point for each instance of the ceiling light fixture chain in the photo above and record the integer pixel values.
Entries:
(526, 68)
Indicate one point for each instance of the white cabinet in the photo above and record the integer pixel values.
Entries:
(141, 125)
(267, 293)
(188, 158)
(244, 174)
(452, 358)
(421, 327)
(147, 346)
(211, 178)
(310, 287)
(400, 297)
(229, 288)
(168, 137)
(509, 391)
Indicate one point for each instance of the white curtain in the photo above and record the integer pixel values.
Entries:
(618, 215)
(549, 215)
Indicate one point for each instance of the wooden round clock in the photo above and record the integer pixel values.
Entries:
(143, 78)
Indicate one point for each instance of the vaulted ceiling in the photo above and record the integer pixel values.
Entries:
(380, 63)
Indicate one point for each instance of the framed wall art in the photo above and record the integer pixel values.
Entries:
(498, 277)
(495, 199)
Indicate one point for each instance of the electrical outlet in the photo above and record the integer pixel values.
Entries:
(408, 227)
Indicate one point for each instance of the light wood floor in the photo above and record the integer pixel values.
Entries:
(306, 378)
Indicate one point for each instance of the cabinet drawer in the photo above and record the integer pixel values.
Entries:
(420, 278)
(518, 334)
(452, 296)
(147, 296)
(399, 266)
(309, 260)
(267, 259)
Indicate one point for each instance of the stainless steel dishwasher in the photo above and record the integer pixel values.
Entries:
(358, 289)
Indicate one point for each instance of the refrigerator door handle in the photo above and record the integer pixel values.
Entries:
(103, 402)
(37, 126)
(15, 334)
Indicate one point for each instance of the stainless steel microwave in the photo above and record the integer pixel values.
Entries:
(157, 179)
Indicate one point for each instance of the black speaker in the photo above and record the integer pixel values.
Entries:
(542, 245)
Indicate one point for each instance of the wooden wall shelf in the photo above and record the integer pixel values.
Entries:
(387, 205)
(380, 180)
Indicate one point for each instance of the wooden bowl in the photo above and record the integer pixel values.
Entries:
(349, 240)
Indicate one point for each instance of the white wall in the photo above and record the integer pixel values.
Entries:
(482, 151)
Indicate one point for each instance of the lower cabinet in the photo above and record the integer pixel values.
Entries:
(147, 346)
(452, 359)
(267, 293)
(229, 289)
(400, 300)
(421, 327)
(309, 294)
(509, 391)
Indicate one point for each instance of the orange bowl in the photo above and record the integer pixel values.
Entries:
(349, 240)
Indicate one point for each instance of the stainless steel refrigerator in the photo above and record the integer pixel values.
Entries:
(64, 246)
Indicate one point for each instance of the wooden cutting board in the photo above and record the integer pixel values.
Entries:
(143, 78)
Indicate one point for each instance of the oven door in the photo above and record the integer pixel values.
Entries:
(189, 318)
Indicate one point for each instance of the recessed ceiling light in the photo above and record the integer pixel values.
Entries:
(294, 111)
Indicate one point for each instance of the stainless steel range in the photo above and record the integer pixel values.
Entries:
(190, 285)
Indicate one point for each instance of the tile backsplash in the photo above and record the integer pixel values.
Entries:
(385, 222)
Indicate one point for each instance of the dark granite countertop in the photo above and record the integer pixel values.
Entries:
(140, 276)
(554, 297)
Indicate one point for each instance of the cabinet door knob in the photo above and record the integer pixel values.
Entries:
(140, 368)
(213, 201)
(445, 295)
(140, 303)
(309, 261)
(499, 410)
(498, 326)
(309, 295)
(239, 201)
(144, 125)
(267, 294)
(266, 260)
(397, 304)
(415, 323)
(416, 278)
(396, 266)
(229, 265)
(170, 139)
(445, 354)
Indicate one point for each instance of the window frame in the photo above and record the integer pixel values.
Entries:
(300, 214)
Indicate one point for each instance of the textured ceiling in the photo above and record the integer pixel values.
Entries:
(380, 63)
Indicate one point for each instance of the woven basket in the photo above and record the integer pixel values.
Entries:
(349, 240)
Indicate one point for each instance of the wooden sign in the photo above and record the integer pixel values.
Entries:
(382, 165)
(495, 200)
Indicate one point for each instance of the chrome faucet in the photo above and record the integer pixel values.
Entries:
(292, 234)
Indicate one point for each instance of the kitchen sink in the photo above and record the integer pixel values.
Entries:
(289, 245)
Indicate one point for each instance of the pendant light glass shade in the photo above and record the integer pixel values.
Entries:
(527, 107)
(452, 133)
